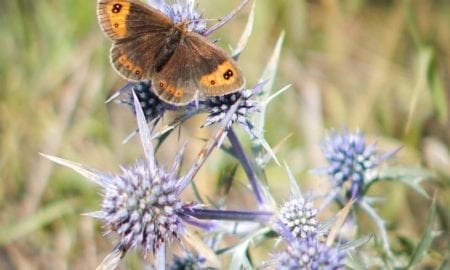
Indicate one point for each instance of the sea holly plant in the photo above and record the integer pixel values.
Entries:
(350, 161)
(299, 228)
(354, 166)
(304, 241)
(143, 208)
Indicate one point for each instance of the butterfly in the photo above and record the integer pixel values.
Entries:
(181, 64)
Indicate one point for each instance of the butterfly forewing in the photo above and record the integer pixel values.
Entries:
(138, 32)
(128, 19)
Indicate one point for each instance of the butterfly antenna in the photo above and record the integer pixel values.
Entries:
(226, 19)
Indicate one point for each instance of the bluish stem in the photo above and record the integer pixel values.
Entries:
(204, 225)
(212, 214)
(248, 168)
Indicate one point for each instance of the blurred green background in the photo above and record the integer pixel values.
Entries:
(381, 66)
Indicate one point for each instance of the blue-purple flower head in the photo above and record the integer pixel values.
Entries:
(296, 219)
(349, 159)
(141, 205)
(184, 12)
(309, 253)
(297, 224)
(142, 208)
(218, 107)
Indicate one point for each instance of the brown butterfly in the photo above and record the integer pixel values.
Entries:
(148, 45)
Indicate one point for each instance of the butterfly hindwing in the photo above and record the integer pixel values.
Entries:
(207, 71)
(135, 60)
(215, 73)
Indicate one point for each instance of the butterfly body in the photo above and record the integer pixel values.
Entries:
(148, 45)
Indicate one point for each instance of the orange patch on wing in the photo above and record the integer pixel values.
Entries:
(224, 74)
(179, 92)
(137, 71)
(172, 90)
(129, 65)
(118, 12)
(122, 59)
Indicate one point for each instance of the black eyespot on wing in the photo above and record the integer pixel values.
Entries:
(116, 8)
(228, 74)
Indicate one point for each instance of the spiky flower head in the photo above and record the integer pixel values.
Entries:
(142, 207)
(217, 108)
(309, 253)
(185, 12)
(296, 218)
(350, 158)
